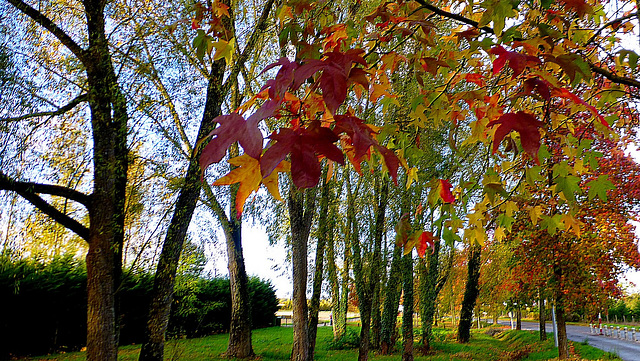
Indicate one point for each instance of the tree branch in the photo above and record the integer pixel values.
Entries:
(57, 216)
(7, 183)
(72, 104)
(596, 69)
(261, 25)
(453, 16)
(612, 22)
(39, 18)
(613, 77)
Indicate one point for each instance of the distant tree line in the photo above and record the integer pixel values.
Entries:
(44, 306)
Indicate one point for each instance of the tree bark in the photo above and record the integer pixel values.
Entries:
(164, 281)
(107, 203)
(519, 317)
(325, 231)
(563, 347)
(301, 208)
(428, 271)
(470, 294)
(391, 302)
(240, 327)
(336, 309)
(543, 321)
(407, 307)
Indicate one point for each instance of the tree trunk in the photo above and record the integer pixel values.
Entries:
(325, 231)
(470, 294)
(391, 302)
(240, 327)
(543, 321)
(428, 294)
(301, 209)
(519, 317)
(563, 347)
(336, 310)
(164, 281)
(407, 307)
(106, 214)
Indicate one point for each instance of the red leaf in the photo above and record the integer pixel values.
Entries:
(525, 124)
(303, 144)
(358, 131)
(233, 128)
(579, 6)
(445, 191)
(535, 85)
(564, 93)
(517, 62)
(284, 78)
(426, 239)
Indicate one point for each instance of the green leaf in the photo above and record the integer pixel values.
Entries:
(201, 43)
(552, 224)
(450, 237)
(599, 187)
(569, 186)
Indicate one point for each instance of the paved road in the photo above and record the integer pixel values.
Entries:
(626, 350)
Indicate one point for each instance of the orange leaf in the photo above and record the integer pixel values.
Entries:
(247, 174)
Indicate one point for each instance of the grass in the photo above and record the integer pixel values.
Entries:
(275, 344)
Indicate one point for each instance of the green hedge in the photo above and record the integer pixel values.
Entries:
(44, 306)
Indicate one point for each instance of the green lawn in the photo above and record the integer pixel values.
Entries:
(275, 344)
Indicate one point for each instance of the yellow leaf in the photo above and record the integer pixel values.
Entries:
(271, 181)
(499, 234)
(412, 176)
(534, 214)
(224, 49)
(247, 174)
(510, 207)
(571, 224)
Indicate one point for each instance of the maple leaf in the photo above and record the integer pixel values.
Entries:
(224, 49)
(247, 174)
(572, 64)
(599, 187)
(516, 61)
(284, 78)
(232, 128)
(302, 144)
(445, 191)
(420, 240)
(579, 6)
(532, 86)
(525, 124)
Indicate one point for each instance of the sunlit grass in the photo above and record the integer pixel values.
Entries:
(275, 344)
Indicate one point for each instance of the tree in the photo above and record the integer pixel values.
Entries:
(217, 91)
(105, 205)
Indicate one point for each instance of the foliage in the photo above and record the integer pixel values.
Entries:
(45, 306)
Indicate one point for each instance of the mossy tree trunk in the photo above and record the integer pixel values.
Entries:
(470, 294)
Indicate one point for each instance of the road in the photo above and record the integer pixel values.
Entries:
(625, 349)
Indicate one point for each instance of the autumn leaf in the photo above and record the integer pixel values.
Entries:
(516, 61)
(419, 240)
(444, 191)
(247, 174)
(224, 49)
(441, 191)
(525, 124)
(232, 128)
(302, 145)
(412, 176)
